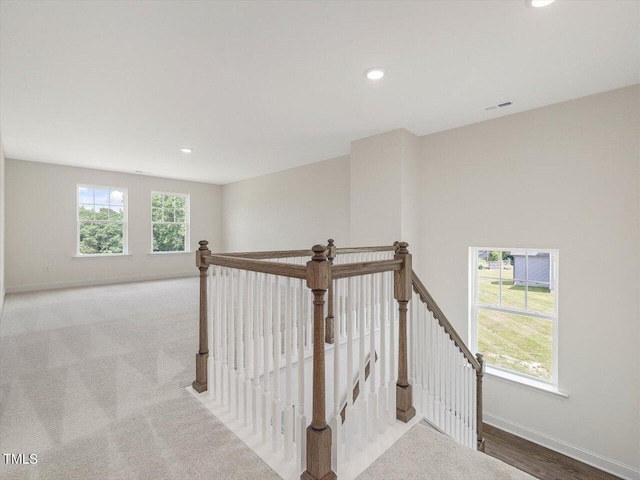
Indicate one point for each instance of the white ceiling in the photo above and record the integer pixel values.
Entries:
(256, 87)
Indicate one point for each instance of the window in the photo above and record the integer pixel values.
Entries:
(169, 222)
(102, 220)
(514, 310)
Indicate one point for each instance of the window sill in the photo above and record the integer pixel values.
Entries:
(160, 254)
(530, 383)
(102, 255)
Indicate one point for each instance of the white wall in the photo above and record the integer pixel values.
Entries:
(376, 189)
(2, 226)
(567, 177)
(41, 227)
(292, 209)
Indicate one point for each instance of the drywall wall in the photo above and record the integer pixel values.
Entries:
(41, 227)
(565, 177)
(292, 209)
(375, 189)
(2, 227)
(384, 189)
(410, 214)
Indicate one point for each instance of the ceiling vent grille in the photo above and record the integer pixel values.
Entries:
(499, 105)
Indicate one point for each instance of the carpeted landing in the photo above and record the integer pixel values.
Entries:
(92, 381)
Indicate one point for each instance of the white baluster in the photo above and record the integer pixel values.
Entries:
(288, 410)
(384, 324)
(336, 420)
(215, 310)
(434, 367)
(450, 383)
(210, 334)
(472, 406)
(411, 343)
(436, 370)
(301, 420)
(425, 349)
(361, 404)
(276, 431)
(349, 420)
(239, 353)
(247, 347)
(224, 345)
(231, 386)
(266, 342)
(373, 394)
(257, 321)
(393, 372)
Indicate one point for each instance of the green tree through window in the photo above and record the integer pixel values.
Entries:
(169, 222)
(101, 220)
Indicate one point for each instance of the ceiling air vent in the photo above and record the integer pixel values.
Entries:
(499, 105)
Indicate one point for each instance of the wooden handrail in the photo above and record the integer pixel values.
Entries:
(365, 268)
(433, 307)
(304, 253)
(273, 268)
(269, 254)
(382, 248)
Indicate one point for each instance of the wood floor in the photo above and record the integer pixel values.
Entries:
(538, 461)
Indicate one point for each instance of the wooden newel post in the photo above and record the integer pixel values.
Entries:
(479, 376)
(402, 289)
(200, 383)
(318, 433)
(329, 329)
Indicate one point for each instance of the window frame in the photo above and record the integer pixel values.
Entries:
(475, 306)
(186, 223)
(125, 220)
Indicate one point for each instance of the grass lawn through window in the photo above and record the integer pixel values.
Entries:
(516, 342)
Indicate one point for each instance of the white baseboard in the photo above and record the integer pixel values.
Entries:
(99, 281)
(585, 456)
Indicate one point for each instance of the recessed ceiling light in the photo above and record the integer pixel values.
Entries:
(539, 3)
(186, 150)
(375, 73)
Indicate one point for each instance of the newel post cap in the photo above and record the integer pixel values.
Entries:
(402, 247)
(319, 253)
(318, 269)
(200, 253)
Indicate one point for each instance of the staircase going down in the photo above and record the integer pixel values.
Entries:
(321, 359)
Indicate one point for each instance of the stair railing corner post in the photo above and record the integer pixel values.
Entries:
(319, 432)
(479, 377)
(402, 290)
(200, 383)
(329, 333)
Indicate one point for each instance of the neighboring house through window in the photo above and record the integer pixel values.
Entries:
(102, 220)
(169, 222)
(514, 310)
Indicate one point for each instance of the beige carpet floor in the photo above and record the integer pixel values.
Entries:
(92, 381)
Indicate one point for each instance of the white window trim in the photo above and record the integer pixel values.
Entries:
(550, 386)
(125, 222)
(187, 218)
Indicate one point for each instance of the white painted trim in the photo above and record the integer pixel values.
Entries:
(578, 453)
(525, 381)
(99, 281)
(102, 255)
(161, 254)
